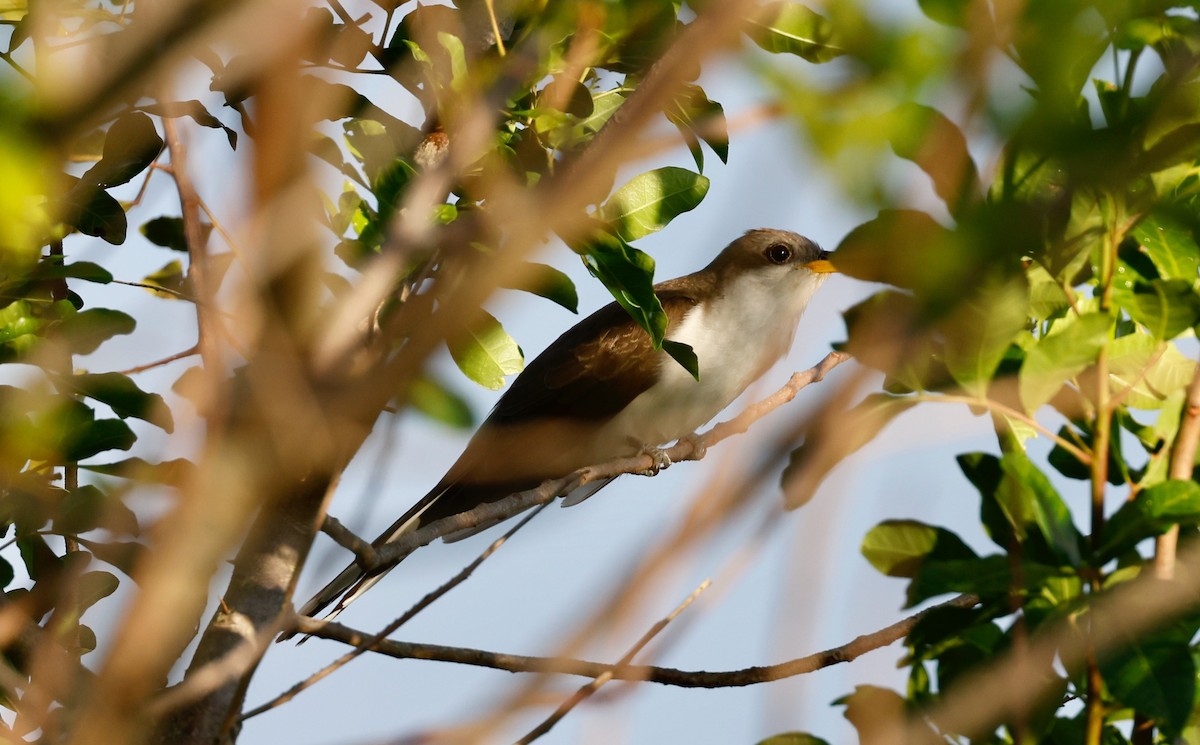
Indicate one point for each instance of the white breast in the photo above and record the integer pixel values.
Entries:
(736, 337)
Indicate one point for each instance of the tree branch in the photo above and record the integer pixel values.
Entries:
(371, 641)
(1182, 463)
(645, 673)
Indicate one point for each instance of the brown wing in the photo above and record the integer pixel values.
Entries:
(593, 370)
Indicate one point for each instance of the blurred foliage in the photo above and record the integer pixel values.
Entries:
(1060, 283)
(1035, 169)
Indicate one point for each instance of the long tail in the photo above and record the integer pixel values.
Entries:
(446, 499)
(353, 581)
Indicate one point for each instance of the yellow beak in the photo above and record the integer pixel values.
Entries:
(821, 266)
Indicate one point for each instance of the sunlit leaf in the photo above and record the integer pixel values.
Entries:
(1059, 356)
(172, 278)
(486, 353)
(1147, 372)
(628, 273)
(897, 548)
(1166, 307)
(1150, 513)
(546, 281)
(651, 200)
(792, 28)
(1171, 246)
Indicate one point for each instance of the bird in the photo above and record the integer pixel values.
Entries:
(603, 390)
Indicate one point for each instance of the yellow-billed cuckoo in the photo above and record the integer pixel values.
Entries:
(601, 391)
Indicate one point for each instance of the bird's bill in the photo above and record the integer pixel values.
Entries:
(821, 266)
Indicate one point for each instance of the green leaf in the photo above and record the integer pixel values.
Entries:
(96, 213)
(898, 548)
(981, 328)
(1029, 499)
(1171, 246)
(96, 437)
(19, 327)
(196, 111)
(174, 472)
(439, 403)
(648, 202)
(172, 278)
(984, 472)
(124, 397)
(628, 273)
(930, 254)
(699, 119)
(94, 587)
(1166, 307)
(1147, 372)
(787, 27)
(1150, 513)
(88, 508)
(684, 355)
(988, 576)
(50, 268)
(166, 232)
(928, 138)
(486, 353)
(1065, 352)
(86, 330)
(130, 146)
(1155, 678)
(949, 12)
(546, 281)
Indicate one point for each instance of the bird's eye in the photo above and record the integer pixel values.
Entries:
(778, 253)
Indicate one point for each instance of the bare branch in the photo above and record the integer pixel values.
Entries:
(646, 673)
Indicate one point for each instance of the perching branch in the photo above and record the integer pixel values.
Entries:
(692, 448)
(647, 673)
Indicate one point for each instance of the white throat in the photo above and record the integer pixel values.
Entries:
(737, 336)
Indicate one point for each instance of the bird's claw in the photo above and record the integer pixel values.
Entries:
(660, 461)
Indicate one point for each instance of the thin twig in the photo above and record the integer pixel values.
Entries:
(491, 9)
(155, 288)
(996, 406)
(587, 690)
(159, 363)
(368, 643)
(193, 232)
(669, 676)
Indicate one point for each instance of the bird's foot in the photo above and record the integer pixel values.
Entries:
(660, 461)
